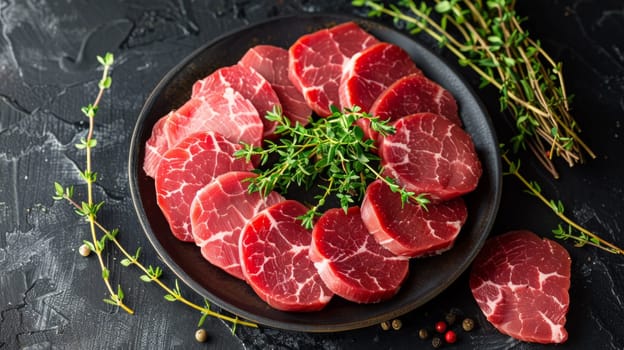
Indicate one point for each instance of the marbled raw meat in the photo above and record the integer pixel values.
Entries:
(351, 262)
(188, 167)
(155, 146)
(249, 84)
(408, 229)
(521, 283)
(227, 113)
(432, 155)
(275, 261)
(219, 212)
(369, 73)
(159, 142)
(271, 62)
(415, 93)
(316, 61)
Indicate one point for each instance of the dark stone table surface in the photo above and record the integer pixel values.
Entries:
(51, 297)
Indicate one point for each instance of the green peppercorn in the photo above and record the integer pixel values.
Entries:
(396, 324)
(84, 250)
(468, 324)
(436, 342)
(423, 333)
(385, 325)
(201, 335)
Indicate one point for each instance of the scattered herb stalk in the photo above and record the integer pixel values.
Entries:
(330, 152)
(488, 37)
(90, 209)
(153, 274)
(574, 231)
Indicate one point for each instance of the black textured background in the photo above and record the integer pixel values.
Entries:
(50, 297)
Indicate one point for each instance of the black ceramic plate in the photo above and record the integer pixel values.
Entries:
(428, 276)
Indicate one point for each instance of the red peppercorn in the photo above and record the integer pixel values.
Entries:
(450, 337)
(440, 326)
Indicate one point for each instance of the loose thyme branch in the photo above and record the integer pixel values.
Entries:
(152, 274)
(585, 236)
(89, 209)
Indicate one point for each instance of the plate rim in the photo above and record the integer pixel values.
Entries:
(134, 165)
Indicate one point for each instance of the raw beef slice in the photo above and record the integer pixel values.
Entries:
(415, 93)
(351, 262)
(369, 73)
(316, 61)
(272, 63)
(159, 141)
(155, 146)
(248, 83)
(432, 155)
(408, 229)
(219, 212)
(228, 114)
(275, 261)
(188, 167)
(521, 283)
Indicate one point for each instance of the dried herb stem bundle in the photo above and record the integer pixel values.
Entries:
(488, 37)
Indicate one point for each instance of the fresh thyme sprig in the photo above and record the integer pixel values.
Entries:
(151, 273)
(488, 37)
(574, 231)
(332, 150)
(90, 209)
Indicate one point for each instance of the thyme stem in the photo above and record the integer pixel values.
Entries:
(595, 240)
(90, 177)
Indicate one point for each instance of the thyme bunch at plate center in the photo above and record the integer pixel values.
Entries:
(331, 153)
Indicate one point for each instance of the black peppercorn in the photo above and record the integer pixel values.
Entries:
(450, 318)
(436, 342)
(423, 333)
